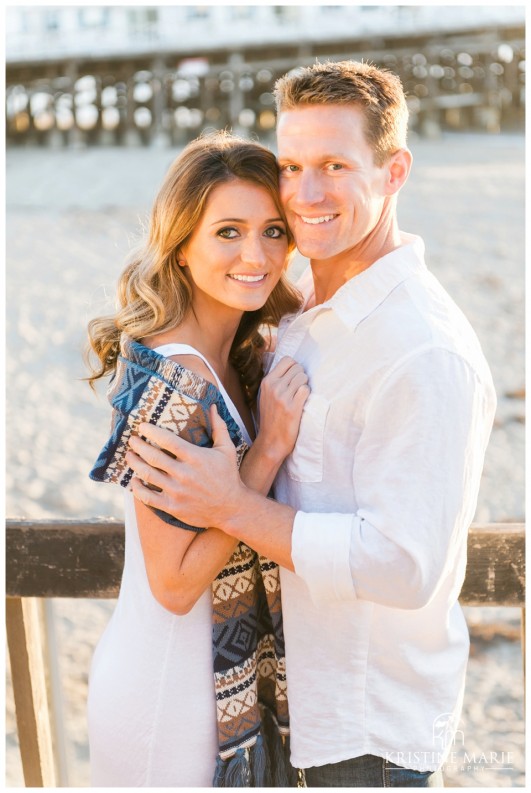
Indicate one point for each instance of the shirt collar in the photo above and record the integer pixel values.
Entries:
(358, 298)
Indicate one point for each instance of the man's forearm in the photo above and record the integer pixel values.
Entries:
(264, 525)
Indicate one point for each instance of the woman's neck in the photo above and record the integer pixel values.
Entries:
(208, 332)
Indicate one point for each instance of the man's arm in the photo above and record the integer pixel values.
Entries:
(205, 484)
(416, 476)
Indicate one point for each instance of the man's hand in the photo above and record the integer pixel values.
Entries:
(199, 486)
(202, 487)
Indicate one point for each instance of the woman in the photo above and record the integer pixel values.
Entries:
(187, 686)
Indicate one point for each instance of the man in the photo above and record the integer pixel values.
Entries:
(370, 528)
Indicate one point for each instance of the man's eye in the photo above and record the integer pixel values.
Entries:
(335, 166)
(228, 233)
(274, 232)
(290, 168)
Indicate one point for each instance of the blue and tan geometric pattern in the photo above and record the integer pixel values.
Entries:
(148, 387)
(247, 635)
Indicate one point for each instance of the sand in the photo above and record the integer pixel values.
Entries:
(72, 216)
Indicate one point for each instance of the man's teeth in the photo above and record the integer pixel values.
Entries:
(250, 278)
(323, 219)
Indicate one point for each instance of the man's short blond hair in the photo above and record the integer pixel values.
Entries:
(377, 92)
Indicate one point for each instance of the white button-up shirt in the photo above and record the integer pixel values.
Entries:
(385, 476)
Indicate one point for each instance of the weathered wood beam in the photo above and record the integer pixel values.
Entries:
(84, 558)
(495, 573)
(64, 558)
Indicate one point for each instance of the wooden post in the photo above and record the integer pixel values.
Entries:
(24, 636)
(236, 66)
(55, 690)
(523, 650)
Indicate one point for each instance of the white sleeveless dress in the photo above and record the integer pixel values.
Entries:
(151, 701)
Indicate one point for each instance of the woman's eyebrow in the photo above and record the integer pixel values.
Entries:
(243, 220)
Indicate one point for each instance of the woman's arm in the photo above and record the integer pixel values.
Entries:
(283, 393)
(180, 564)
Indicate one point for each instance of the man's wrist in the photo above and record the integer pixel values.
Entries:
(263, 524)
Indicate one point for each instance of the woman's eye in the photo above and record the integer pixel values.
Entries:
(228, 233)
(274, 232)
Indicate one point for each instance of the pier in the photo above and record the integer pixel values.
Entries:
(163, 91)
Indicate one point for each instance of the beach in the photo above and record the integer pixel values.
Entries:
(72, 216)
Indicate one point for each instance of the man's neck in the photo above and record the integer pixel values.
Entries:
(331, 274)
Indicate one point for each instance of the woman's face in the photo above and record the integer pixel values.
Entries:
(236, 254)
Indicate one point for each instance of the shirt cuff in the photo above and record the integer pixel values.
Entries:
(320, 551)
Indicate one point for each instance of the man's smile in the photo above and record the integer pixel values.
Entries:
(315, 221)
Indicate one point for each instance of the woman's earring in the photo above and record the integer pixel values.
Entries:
(181, 262)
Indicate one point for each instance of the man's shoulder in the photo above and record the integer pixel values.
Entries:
(419, 316)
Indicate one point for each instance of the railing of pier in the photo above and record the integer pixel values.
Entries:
(84, 559)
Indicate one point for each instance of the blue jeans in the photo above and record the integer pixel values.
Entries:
(370, 771)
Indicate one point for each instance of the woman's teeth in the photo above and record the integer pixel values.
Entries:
(248, 278)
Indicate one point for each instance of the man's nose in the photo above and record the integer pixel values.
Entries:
(309, 189)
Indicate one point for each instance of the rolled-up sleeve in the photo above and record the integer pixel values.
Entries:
(416, 474)
(320, 551)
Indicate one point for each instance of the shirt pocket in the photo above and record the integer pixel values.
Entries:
(305, 463)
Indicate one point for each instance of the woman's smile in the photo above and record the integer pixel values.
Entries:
(249, 280)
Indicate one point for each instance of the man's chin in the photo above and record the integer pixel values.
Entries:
(314, 252)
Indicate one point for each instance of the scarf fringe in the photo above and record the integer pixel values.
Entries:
(259, 765)
(234, 772)
(278, 752)
(265, 764)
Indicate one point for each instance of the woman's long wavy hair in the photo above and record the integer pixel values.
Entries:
(154, 294)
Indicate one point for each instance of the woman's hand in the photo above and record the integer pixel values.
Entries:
(283, 393)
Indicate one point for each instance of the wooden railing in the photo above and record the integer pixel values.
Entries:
(84, 559)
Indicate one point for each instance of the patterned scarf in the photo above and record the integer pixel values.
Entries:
(247, 635)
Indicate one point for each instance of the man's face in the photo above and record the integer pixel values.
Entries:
(332, 191)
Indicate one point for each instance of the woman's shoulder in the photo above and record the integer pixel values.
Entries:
(181, 352)
(194, 364)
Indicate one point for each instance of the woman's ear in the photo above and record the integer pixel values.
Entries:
(398, 166)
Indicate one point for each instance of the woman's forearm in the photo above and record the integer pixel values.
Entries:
(283, 394)
(184, 572)
(260, 466)
(180, 565)
(209, 551)
(204, 559)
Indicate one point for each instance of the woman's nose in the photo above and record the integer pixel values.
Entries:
(252, 251)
